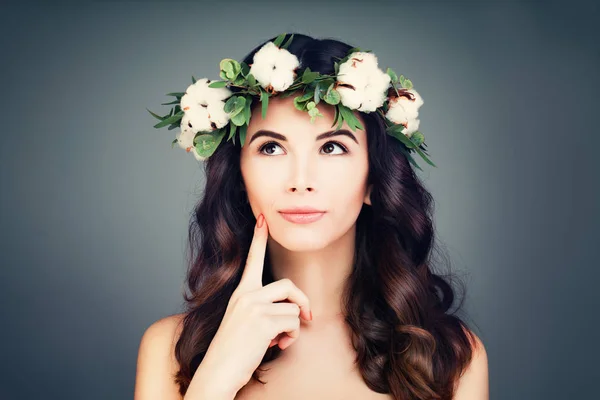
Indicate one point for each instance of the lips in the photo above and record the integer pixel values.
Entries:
(301, 210)
(302, 217)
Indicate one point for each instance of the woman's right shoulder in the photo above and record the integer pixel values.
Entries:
(169, 326)
(156, 363)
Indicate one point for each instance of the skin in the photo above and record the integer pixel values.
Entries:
(317, 257)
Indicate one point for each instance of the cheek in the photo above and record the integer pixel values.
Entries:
(348, 185)
(261, 188)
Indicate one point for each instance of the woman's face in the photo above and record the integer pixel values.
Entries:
(302, 170)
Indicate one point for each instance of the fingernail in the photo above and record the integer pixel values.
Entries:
(260, 221)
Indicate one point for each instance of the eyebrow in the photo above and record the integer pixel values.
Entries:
(328, 134)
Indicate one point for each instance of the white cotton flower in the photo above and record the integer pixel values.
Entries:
(375, 92)
(205, 118)
(200, 93)
(203, 107)
(405, 111)
(200, 119)
(185, 138)
(274, 67)
(197, 119)
(410, 127)
(369, 82)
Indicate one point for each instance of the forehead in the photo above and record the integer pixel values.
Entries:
(283, 117)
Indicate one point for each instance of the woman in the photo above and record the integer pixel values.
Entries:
(338, 302)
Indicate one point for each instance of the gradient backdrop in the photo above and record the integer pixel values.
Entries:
(95, 203)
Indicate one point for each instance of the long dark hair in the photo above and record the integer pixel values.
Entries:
(408, 341)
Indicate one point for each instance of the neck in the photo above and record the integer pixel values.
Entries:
(321, 274)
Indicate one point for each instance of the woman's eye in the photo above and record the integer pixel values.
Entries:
(327, 146)
(266, 146)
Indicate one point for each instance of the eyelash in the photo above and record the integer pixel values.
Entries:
(262, 147)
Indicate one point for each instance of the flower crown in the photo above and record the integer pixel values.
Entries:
(207, 111)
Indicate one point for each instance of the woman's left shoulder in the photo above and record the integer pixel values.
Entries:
(474, 381)
(476, 343)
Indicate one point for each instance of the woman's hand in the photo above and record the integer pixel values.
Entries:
(256, 318)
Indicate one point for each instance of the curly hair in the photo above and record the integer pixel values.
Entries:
(408, 341)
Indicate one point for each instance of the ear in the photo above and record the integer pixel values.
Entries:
(367, 199)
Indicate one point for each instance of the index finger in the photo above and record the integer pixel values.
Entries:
(253, 271)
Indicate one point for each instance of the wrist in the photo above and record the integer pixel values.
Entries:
(209, 383)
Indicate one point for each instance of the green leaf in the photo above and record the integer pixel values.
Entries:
(427, 160)
(173, 102)
(218, 84)
(288, 42)
(317, 96)
(308, 76)
(170, 120)
(314, 113)
(155, 115)
(350, 118)
(176, 94)
(405, 83)
(238, 119)
(332, 97)
(245, 68)
(232, 129)
(174, 142)
(310, 105)
(279, 40)
(239, 81)
(243, 130)
(417, 138)
(247, 110)
(287, 93)
(229, 64)
(229, 71)
(306, 96)
(299, 104)
(400, 136)
(207, 143)
(264, 99)
(193, 79)
(325, 83)
(251, 80)
(229, 104)
(409, 157)
(392, 74)
(238, 106)
(341, 117)
(337, 115)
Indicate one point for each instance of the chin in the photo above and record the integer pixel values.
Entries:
(299, 239)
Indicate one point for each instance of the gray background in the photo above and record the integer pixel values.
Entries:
(95, 203)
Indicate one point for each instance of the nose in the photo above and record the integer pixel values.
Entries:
(301, 175)
(308, 189)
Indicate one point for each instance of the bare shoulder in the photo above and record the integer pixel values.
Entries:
(474, 382)
(156, 362)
